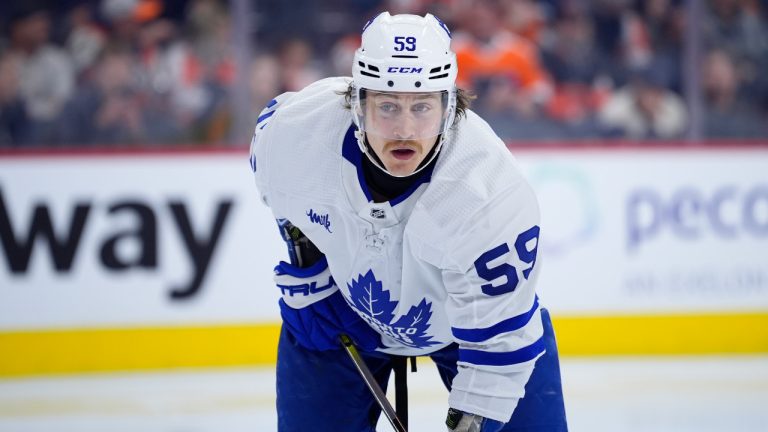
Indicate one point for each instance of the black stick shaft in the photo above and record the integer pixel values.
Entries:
(372, 384)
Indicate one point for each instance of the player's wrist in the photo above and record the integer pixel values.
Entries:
(301, 251)
(284, 268)
(460, 421)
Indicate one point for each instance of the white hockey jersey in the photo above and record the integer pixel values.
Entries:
(451, 260)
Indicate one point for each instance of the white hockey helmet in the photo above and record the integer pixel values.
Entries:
(404, 54)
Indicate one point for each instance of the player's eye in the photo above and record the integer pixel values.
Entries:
(388, 108)
(421, 108)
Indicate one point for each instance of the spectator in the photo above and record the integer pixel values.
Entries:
(664, 23)
(544, 69)
(569, 52)
(265, 81)
(208, 46)
(125, 18)
(581, 87)
(85, 39)
(524, 18)
(14, 123)
(46, 78)
(184, 74)
(736, 26)
(296, 64)
(623, 40)
(727, 113)
(342, 54)
(109, 111)
(505, 64)
(644, 109)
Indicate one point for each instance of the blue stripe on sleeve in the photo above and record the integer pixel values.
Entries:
(271, 103)
(508, 325)
(264, 117)
(502, 358)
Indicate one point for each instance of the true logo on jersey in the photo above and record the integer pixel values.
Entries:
(378, 213)
(323, 220)
(372, 300)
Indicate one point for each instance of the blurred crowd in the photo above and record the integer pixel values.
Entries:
(160, 72)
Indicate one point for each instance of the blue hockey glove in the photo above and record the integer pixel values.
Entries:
(459, 421)
(315, 312)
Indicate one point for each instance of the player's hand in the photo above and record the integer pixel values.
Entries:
(315, 312)
(318, 325)
(460, 421)
(301, 287)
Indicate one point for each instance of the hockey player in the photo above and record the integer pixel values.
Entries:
(411, 230)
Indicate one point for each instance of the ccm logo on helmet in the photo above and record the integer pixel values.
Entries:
(395, 69)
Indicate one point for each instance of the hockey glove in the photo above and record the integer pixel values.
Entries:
(315, 312)
(459, 421)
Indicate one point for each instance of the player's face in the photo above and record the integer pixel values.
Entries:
(403, 127)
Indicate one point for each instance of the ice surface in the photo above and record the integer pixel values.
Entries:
(701, 394)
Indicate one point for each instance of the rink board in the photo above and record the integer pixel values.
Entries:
(164, 259)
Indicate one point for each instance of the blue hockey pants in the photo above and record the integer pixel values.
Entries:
(322, 391)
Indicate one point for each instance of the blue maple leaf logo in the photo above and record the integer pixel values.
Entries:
(369, 296)
(416, 321)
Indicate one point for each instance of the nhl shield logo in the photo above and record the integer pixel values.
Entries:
(378, 213)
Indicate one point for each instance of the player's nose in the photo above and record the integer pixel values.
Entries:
(406, 127)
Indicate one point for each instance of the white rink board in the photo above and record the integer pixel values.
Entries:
(622, 231)
(237, 286)
(652, 231)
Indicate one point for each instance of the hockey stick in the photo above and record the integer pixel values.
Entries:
(372, 384)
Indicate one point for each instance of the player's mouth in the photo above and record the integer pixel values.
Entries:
(403, 153)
